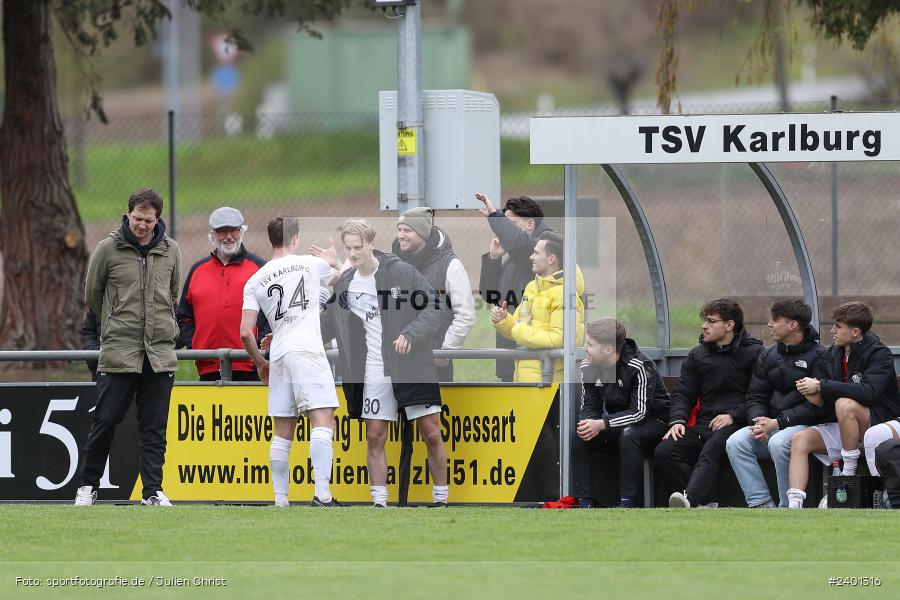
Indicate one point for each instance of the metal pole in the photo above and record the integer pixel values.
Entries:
(834, 216)
(169, 31)
(410, 167)
(410, 115)
(171, 231)
(567, 387)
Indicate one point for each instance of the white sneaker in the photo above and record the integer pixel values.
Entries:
(158, 499)
(679, 500)
(85, 496)
(281, 501)
(823, 503)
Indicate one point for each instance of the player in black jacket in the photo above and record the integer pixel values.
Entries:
(506, 268)
(624, 407)
(863, 392)
(385, 301)
(717, 373)
(775, 409)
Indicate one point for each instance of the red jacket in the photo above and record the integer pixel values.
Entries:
(209, 314)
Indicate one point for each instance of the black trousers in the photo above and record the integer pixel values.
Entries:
(630, 443)
(235, 376)
(115, 392)
(692, 463)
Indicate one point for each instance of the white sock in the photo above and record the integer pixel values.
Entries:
(795, 498)
(321, 452)
(874, 437)
(440, 492)
(379, 494)
(850, 458)
(278, 456)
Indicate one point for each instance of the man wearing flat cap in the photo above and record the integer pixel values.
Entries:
(209, 314)
(429, 250)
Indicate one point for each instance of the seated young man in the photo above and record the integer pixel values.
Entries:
(775, 409)
(717, 372)
(864, 394)
(624, 407)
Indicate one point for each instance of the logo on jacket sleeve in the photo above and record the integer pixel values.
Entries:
(801, 363)
(857, 377)
(621, 384)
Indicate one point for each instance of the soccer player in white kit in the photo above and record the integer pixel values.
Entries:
(300, 381)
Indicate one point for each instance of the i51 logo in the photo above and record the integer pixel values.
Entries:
(51, 429)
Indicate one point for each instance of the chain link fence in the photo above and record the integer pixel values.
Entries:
(717, 230)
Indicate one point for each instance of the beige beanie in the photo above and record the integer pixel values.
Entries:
(419, 219)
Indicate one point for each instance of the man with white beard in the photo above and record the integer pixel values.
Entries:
(209, 314)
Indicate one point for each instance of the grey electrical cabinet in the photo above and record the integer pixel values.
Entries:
(462, 148)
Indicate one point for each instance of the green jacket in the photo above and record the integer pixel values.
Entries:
(135, 296)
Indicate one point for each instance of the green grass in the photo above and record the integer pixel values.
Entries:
(492, 552)
(244, 170)
(241, 170)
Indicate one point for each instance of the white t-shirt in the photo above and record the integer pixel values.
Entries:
(287, 290)
(362, 297)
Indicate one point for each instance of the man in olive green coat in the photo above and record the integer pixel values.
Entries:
(132, 283)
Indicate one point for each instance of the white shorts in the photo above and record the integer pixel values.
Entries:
(299, 382)
(831, 435)
(380, 404)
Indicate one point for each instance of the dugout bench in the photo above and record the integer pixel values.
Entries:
(728, 490)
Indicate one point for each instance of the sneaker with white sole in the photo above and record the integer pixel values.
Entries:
(85, 496)
(157, 499)
(679, 500)
(281, 501)
(823, 503)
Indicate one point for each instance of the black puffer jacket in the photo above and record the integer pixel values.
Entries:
(718, 377)
(414, 375)
(432, 261)
(773, 388)
(871, 381)
(638, 393)
(504, 279)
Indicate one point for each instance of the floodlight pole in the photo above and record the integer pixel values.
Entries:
(410, 166)
(410, 114)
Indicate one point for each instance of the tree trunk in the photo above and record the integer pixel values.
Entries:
(41, 234)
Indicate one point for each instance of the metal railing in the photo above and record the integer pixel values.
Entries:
(227, 355)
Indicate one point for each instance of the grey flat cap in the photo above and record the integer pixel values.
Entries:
(226, 217)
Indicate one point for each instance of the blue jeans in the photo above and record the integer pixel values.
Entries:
(744, 453)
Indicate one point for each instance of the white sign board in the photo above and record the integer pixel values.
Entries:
(715, 138)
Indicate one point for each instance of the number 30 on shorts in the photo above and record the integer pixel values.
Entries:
(371, 406)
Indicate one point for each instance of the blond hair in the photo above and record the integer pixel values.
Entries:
(359, 227)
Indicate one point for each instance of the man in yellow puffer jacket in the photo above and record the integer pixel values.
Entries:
(538, 320)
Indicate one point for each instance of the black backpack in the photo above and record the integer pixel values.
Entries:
(887, 460)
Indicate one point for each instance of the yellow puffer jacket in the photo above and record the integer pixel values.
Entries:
(544, 297)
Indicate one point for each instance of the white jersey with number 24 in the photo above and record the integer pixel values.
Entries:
(287, 289)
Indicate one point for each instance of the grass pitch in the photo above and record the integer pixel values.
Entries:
(263, 552)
